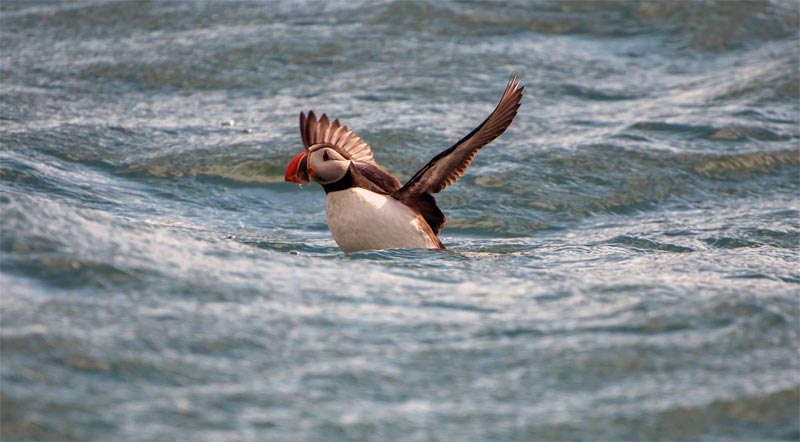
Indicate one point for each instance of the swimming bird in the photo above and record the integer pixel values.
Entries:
(367, 208)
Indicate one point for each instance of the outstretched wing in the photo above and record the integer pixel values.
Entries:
(447, 167)
(322, 131)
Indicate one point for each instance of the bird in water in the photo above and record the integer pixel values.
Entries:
(367, 208)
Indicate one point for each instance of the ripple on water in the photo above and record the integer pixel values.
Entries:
(621, 264)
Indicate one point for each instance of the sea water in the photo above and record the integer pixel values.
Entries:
(621, 264)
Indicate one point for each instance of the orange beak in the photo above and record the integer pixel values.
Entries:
(297, 171)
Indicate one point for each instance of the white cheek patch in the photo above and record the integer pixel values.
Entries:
(331, 171)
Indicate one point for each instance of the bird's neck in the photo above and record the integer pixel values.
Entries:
(344, 183)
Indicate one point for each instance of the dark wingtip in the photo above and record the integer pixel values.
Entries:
(303, 129)
(515, 81)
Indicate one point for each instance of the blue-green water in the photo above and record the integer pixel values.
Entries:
(621, 264)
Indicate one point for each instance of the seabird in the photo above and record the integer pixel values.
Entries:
(368, 208)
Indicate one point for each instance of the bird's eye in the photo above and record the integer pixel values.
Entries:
(326, 156)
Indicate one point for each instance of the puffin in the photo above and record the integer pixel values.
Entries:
(368, 208)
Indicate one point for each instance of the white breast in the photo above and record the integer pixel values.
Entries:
(364, 220)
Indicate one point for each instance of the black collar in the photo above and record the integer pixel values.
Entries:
(344, 183)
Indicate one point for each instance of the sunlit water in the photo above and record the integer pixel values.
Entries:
(621, 264)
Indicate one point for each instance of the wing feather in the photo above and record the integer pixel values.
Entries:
(322, 131)
(447, 167)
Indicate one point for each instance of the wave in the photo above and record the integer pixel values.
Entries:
(536, 191)
(715, 25)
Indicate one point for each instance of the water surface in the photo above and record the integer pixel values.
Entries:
(621, 264)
